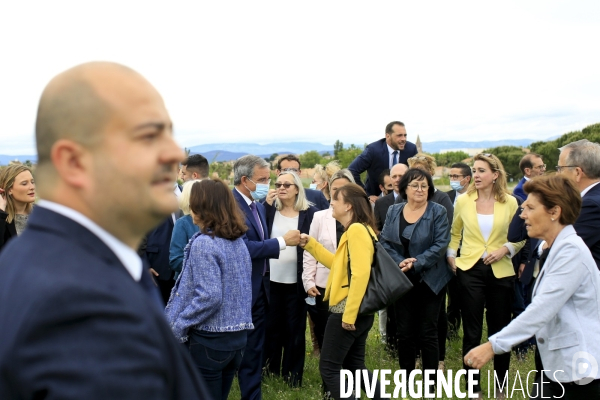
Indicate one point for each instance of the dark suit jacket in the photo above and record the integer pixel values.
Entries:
(305, 218)
(381, 208)
(75, 325)
(527, 255)
(374, 159)
(7, 231)
(155, 249)
(451, 195)
(588, 223)
(317, 198)
(260, 250)
(518, 190)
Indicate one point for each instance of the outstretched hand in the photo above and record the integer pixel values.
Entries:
(304, 238)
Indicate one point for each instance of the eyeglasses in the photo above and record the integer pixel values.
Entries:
(262, 181)
(415, 158)
(285, 185)
(543, 166)
(456, 176)
(560, 167)
(486, 154)
(290, 170)
(416, 187)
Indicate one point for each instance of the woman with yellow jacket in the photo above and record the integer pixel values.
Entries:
(484, 268)
(346, 332)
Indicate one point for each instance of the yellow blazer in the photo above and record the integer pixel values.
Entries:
(357, 240)
(466, 225)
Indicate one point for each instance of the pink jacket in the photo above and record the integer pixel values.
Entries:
(323, 230)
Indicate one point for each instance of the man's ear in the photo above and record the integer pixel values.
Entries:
(72, 162)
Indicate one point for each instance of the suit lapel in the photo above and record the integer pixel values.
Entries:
(59, 225)
(247, 211)
(330, 227)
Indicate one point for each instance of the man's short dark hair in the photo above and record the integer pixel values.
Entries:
(197, 163)
(382, 175)
(388, 127)
(464, 168)
(526, 161)
(289, 157)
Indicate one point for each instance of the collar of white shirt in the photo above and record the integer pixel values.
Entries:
(248, 201)
(128, 257)
(587, 189)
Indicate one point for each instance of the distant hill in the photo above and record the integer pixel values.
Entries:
(435, 147)
(233, 151)
(4, 159)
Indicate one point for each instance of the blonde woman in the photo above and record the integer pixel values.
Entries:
(183, 230)
(322, 176)
(17, 195)
(484, 268)
(286, 321)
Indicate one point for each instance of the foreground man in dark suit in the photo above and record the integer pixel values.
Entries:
(80, 316)
(580, 161)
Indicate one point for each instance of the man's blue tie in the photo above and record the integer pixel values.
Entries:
(395, 159)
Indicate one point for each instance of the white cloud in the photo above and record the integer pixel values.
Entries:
(320, 71)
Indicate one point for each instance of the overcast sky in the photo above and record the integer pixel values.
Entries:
(319, 71)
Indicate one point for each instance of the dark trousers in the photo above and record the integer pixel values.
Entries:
(319, 313)
(217, 367)
(480, 289)
(417, 316)
(554, 390)
(285, 345)
(442, 325)
(165, 288)
(250, 372)
(343, 349)
(453, 312)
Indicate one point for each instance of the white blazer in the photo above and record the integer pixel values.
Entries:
(323, 229)
(564, 314)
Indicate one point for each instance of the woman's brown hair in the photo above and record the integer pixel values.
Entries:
(361, 206)
(213, 204)
(556, 190)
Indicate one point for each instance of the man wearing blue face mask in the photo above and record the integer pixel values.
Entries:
(460, 177)
(251, 178)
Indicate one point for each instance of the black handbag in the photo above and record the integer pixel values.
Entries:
(387, 282)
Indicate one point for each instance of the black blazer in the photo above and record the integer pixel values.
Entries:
(317, 198)
(305, 218)
(381, 208)
(374, 159)
(452, 195)
(7, 231)
(588, 222)
(260, 250)
(83, 327)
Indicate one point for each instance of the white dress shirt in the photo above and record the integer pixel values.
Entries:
(587, 189)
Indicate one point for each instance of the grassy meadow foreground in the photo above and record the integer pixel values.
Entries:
(274, 388)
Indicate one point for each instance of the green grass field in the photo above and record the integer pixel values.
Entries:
(377, 357)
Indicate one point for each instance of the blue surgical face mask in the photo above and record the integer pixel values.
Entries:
(313, 186)
(456, 185)
(262, 189)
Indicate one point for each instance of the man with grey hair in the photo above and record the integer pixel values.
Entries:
(251, 178)
(580, 161)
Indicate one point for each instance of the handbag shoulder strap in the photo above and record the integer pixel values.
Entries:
(348, 250)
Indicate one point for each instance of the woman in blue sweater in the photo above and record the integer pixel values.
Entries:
(210, 305)
(183, 230)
